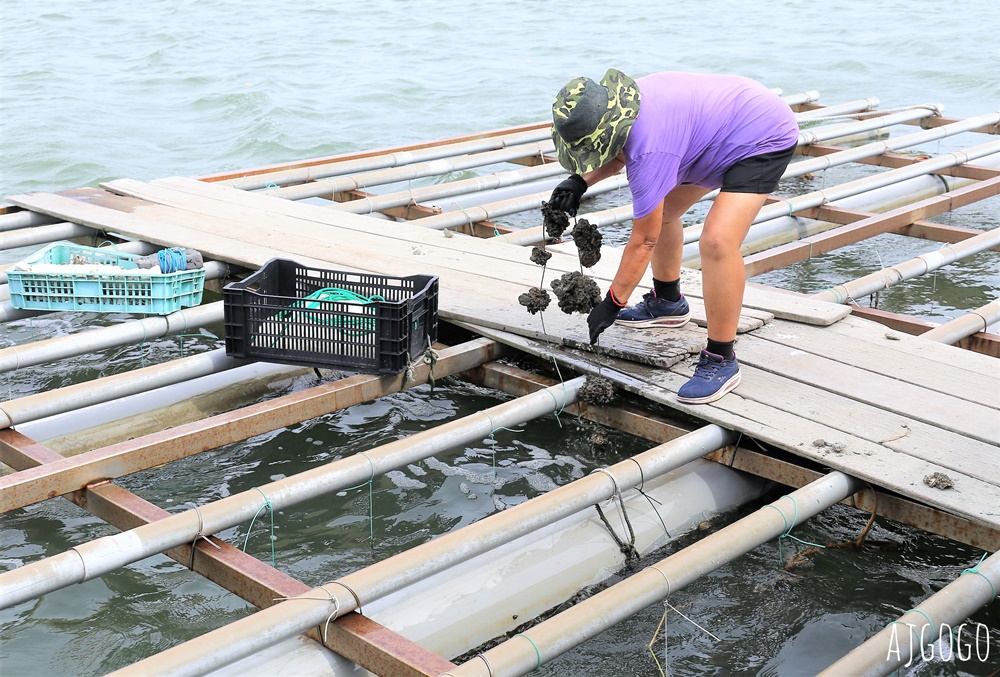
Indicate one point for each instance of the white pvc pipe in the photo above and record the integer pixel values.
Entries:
(81, 343)
(108, 388)
(409, 172)
(907, 270)
(962, 327)
(454, 189)
(499, 590)
(839, 109)
(83, 423)
(98, 557)
(35, 235)
(387, 160)
(290, 618)
(944, 612)
(24, 219)
(566, 630)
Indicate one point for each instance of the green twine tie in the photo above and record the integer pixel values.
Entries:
(788, 527)
(538, 654)
(266, 506)
(975, 570)
(371, 501)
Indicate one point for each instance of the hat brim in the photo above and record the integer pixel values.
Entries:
(607, 141)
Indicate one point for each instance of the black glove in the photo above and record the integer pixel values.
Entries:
(567, 195)
(602, 316)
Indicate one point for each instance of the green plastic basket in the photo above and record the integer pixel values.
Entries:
(141, 293)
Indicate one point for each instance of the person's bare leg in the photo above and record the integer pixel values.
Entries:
(666, 259)
(723, 274)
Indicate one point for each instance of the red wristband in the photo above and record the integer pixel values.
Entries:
(611, 293)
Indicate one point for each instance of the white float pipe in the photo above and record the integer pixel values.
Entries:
(81, 343)
(392, 159)
(453, 189)
(399, 158)
(559, 634)
(108, 388)
(508, 586)
(839, 109)
(288, 619)
(409, 172)
(153, 403)
(535, 573)
(481, 184)
(493, 210)
(801, 97)
(915, 267)
(962, 327)
(24, 219)
(946, 610)
(27, 237)
(98, 557)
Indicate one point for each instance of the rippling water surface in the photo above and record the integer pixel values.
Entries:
(102, 90)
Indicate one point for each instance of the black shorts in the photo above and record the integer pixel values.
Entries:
(757, 174)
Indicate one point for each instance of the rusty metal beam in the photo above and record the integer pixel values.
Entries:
(69, 474)
(628, 419)
(897, 160)
(414, 212)
(632, 420)
(223, 176)
(925, 123)
(801, 250)
(356, 637)
(888, 505)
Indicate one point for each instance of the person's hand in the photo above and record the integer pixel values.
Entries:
(603, 316)
(567, 195)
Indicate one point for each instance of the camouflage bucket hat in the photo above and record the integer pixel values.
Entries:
(591, 120)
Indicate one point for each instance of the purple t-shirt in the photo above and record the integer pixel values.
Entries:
(691, 128)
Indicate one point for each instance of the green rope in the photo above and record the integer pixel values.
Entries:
(929, 622)
(788, 527)
(371, 500)
(493, 429)
(538, 653)
(565, 397)
(359, 325)
(975, 570)
(266, 506)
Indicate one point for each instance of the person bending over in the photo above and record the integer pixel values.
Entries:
(678, 136)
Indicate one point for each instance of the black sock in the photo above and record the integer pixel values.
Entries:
(724, 348)
(671, 291)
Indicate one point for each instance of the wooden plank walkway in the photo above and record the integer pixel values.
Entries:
(847, 393)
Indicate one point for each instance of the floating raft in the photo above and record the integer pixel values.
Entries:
(848, 407)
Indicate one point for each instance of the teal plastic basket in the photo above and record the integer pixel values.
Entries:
(142, 293)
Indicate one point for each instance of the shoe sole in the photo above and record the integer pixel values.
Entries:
(669, 322)
(733, 381)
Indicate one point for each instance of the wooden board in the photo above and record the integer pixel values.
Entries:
(870, 350)
(461, 296)
(747, 410)
(794, 307)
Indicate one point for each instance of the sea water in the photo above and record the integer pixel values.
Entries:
(102, 90)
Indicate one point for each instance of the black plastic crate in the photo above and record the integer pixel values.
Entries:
(291, 314)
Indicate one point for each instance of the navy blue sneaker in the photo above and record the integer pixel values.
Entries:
(713, 377)
(655, 312)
